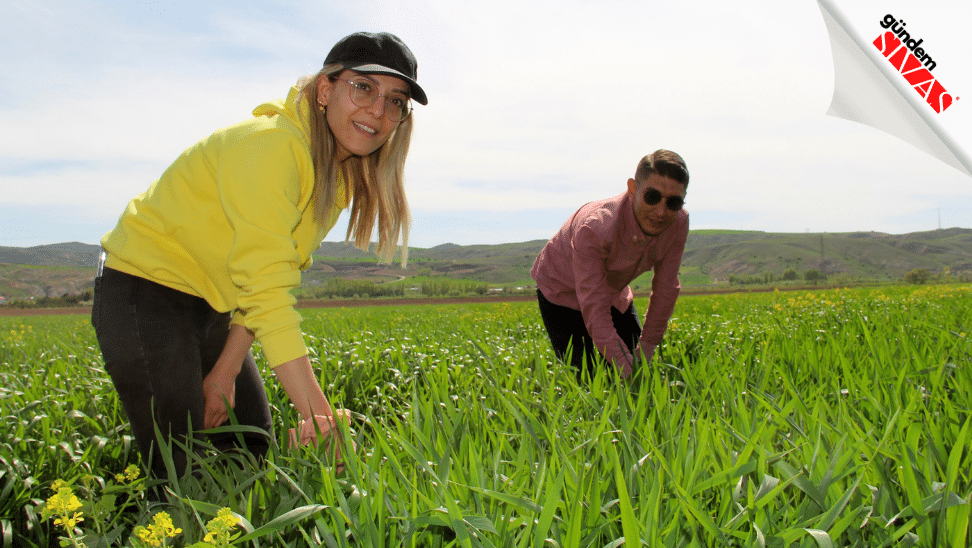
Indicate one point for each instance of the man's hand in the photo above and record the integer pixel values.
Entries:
(625, 361)
(217, 386)
(640, 358)
(646, 354)
(624, 369)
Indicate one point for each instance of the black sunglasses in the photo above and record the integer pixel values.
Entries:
(673, 203)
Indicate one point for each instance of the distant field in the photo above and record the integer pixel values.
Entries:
(18, 281)
(812, 419)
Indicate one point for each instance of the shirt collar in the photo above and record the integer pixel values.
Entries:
(631, 230)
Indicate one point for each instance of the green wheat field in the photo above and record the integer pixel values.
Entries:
(818, 419)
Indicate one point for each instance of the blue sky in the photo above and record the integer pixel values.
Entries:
(534, 108)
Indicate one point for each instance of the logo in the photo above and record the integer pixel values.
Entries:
(912, 62)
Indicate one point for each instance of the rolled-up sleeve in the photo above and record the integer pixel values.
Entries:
(260, 189)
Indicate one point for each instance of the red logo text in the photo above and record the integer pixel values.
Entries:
(900, 55)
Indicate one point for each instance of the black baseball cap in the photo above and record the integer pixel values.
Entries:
(378, 53)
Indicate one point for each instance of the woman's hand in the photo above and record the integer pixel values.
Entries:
(220, 383)
(329, 431)
(307, 430)
(298, 380)
(217, 385)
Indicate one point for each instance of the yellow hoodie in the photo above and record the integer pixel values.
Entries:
(232, 221)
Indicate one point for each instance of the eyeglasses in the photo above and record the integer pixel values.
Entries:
(364, 94)
(673, 203)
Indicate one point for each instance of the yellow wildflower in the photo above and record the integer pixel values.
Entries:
(164, 523)
(155, 534)
(218, 528)
(69, 521)
(131, 473)
(62, 502)
(63, 506)
(147, 537)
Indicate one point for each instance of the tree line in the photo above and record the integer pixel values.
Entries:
(338, 288)
(917, 276)
(64, 301)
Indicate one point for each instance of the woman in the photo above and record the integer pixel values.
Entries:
(202, 263)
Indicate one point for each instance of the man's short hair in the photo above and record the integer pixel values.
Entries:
(665, 163)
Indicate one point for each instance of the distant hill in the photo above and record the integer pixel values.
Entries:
(66, 254)
(860, 255)
(710, 256)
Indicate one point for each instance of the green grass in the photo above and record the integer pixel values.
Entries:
(830, 418)
(687, 276)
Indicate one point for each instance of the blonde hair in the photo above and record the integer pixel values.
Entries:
(376, 182)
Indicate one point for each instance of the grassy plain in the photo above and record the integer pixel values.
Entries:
(829, 418)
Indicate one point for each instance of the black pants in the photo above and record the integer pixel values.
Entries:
(158, 345)
(566, 329)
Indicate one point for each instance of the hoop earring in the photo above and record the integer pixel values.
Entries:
(321, 107)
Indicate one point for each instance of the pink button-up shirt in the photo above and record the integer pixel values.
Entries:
(589, 263)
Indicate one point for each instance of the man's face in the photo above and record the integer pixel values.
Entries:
(654, 219)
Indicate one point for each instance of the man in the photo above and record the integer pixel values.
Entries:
(583, 272)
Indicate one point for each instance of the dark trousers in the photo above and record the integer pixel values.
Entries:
(158, 344)
(566, 329)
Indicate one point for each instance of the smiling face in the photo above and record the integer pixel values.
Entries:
(358, 131)
(654, 219)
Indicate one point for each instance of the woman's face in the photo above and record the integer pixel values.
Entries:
(359, 131)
